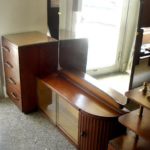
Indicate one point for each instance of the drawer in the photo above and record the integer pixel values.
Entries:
(12, 71)
(11, 82)
(8, 45)
(14, 95)
(11, 56)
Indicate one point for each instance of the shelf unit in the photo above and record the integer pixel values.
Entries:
(136, 121)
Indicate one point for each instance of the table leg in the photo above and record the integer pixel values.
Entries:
(141, 111)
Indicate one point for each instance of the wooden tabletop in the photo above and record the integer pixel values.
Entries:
(140, 125)
(77, 97)
(129, 142)
(138, 96)
(28, 38)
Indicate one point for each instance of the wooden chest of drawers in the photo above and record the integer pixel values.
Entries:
(27, 55)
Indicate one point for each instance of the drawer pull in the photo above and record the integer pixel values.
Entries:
(14, 95)
(6, 49)
(11, 80)
(8, 64)
(83, 134)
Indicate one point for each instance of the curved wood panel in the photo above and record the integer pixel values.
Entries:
(98, 123)
(94, 132)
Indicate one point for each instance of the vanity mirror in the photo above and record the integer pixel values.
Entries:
(106, 31)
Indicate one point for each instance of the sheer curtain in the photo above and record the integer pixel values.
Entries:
(128, 40)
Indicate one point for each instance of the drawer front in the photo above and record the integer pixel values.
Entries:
(8, 45)
(11, 71)
(13, 92)
(12, 82)
(11, 57)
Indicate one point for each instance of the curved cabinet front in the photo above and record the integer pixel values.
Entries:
(95, 132)
(86, 122)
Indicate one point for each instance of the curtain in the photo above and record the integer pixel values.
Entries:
(129, 35)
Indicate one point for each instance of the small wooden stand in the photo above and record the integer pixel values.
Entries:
(136, 121)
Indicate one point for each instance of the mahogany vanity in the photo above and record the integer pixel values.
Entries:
(83, 112)
(49, 74)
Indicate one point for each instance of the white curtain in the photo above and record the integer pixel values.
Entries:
(128, 41)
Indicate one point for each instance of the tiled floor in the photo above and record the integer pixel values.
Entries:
(28, 132)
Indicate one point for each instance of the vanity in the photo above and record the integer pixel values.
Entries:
(48, 73)
(82, 112)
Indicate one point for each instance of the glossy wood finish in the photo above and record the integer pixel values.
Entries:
(27, 55)
(95, 132)
(138, 96)
(141, 126)
(129, 142)
(59, 111)
(77, 97)
(107, 96)
(73, 54)
(97, 122)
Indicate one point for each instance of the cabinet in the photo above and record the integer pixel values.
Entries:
(95, 132)
(27, 55)
(82, 117)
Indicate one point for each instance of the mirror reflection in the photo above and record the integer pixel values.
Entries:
(109, 26)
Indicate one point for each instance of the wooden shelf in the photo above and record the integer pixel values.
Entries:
(129, 142)
(138, 96)
(141, 126)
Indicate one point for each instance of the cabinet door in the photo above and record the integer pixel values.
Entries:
(95, 132)
(46, 100)
(91, 129)
(67, 119)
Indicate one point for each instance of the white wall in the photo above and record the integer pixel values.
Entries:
(21, 16)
